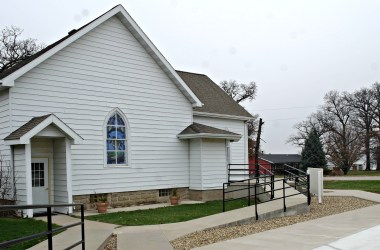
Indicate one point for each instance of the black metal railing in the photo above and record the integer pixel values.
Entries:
(249, 171)
(50, 231)
(255, 185)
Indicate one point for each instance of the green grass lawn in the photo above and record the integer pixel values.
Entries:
(12, 228)
(366, 185)
(165, 215)
(363, 173)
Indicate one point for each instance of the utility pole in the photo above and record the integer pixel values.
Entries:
(257, 148)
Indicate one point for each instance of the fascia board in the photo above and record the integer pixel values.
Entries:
(68, 131)
(51, 119)
(160, 59)
(207, 135)
(9, 80)
(215, 115)
(12, 142)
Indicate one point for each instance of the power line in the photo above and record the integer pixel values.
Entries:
(283, 119)
(303, 107)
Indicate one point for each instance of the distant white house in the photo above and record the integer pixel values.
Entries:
(102, 111)
(357, 165)
(361, 164)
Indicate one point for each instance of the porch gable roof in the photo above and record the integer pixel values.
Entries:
(23, 134)
(197, 130)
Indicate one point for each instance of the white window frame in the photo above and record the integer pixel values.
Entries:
(127, 138)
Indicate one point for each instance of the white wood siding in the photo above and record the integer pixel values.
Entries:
(105, 69)
(239, 150)
(19, 165)
(214, 163)
(43, 148)
(60, 188)
(195, 164)
(4, 122)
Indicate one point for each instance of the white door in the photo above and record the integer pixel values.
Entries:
(40, 182)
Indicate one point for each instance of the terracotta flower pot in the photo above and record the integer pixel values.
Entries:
(174, 200)
(102, 207)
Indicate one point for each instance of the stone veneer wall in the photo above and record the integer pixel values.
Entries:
(126, 199)
(206, 195)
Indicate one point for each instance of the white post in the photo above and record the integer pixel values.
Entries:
(28, 178)
(320, 185)
(68, 174)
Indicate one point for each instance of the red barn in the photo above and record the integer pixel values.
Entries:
(272, 161)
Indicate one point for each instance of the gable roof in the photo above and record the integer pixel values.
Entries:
(24, 133)
(281, 158)
(8, 76)
(197, 130)
(214, 99)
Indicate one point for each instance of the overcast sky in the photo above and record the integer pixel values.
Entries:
(295, 51)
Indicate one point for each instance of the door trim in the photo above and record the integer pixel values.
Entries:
(46, 161)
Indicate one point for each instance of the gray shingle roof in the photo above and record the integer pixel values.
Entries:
(281, 158)
(18, 133)
(197, 128)
(215, 100)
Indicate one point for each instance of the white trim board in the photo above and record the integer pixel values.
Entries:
(131, 25)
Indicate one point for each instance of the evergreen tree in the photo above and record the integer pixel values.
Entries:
(312, 154)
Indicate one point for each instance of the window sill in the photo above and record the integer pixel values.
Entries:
(117, 166)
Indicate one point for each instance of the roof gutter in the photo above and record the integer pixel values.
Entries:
(233, 117)
(209, 135)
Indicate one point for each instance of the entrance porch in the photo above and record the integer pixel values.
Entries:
(41, 159)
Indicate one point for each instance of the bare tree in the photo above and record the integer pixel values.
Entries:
(304, 128)
(13, 49)
(7, 181)
(361, 102)
(333, 123)
(239, 91)
(343, 144)
(376, 118)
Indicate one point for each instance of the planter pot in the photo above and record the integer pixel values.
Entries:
(174, 200)
(102, 207)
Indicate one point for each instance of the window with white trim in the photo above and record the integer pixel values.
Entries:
(116, 142)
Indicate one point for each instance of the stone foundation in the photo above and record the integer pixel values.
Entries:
(126, 199)
(206, 195)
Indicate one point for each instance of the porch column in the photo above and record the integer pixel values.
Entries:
(28, 178)
(68, 174)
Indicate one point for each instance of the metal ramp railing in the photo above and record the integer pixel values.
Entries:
(245, 182)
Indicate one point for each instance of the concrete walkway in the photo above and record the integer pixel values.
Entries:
(158, 236)
(96, 233)
(323, 233)
(349, 230)
(351, 178)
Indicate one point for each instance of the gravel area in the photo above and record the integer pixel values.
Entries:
(112, 243)
(331, 205)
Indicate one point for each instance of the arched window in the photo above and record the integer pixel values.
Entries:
(116, 142)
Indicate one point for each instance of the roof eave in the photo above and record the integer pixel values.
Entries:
(9, 80)
(266, 160)
(25, 139)
(127, 20)
(216, 115)
(159, 58)
(209, 135)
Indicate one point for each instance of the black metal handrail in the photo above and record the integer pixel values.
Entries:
(50, 231)
(247, 171)
(301, 178)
